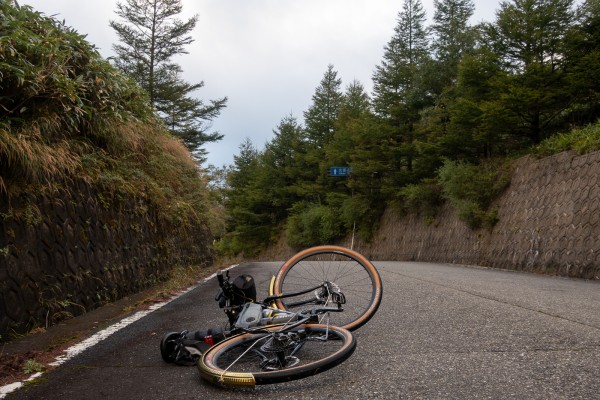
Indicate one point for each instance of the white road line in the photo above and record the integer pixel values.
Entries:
(100, 336)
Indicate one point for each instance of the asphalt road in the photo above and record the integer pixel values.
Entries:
(442, 332)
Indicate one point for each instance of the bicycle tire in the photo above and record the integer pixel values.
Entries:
(352, 272)
(216, 366)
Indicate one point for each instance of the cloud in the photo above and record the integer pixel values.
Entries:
(266, 56)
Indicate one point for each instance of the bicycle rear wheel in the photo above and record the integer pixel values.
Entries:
(247, 359)
(357, 278)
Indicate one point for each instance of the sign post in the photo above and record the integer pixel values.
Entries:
(343, 172)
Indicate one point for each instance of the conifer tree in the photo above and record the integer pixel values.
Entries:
(529, 36)
(319, 128)
(354, 112)
(151, 35)
(453, 36)
(319, 119)
(248, 216)
(282, 166)
(397, 95)
(584, 64)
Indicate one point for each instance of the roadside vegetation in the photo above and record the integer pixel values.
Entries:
(452, 104)
(66, 114)
(581, 140)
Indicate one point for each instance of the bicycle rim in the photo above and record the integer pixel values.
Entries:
(236, 362)
(350, 271)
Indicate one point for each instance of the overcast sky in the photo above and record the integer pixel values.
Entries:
(266, 56)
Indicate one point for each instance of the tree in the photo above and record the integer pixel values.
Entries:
(529, 36)
(397, 95)
(583, 49)
(282, 167)
(186, 116)
(320, 118)
(355, 106)
(355, 110)
(453, 37)
(151, 36)
(248, 215)
(478, 126)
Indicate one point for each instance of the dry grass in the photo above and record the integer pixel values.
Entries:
(177, 150)
(27, 153)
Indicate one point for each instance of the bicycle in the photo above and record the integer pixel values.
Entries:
(302, 328)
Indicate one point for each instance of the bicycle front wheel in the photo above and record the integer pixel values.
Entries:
(248, 359)
(355, 276)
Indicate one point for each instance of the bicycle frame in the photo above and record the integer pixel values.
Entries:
(250, 316)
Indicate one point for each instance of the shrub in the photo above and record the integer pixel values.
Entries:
(582, 140)
(312, 224)
(49, 70)
(472, 188)
(66, 114)
(424, 199)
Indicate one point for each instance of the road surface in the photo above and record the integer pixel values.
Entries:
(442, 332)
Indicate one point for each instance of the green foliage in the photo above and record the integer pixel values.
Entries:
(529, 38)
(453, 38)
(360, 212)
(401, 90)
(250, 216)
(322, 114)
(424, 198)
(32, 366)
(582, 140)
(49, 70)
(471, 190)
(151, 35)
(312, 224)
(67, 114)
(447, 101)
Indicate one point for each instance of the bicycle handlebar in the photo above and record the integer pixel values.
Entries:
(220, 277)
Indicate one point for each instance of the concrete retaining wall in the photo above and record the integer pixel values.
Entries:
(549, 222)
(76, 249)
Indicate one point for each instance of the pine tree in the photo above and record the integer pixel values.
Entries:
(398, 97)
(529, 37)
(453, 37)
(354, 110)
(151, 35)
(248, 215)
(319, 122)
(320, 118)
(283, 168)
(583, 50)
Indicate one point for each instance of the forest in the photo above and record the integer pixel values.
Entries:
(452, 104)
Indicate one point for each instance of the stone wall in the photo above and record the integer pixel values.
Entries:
(549, 222)
(68, 252)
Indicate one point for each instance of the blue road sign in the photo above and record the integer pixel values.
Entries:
(339, 171)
